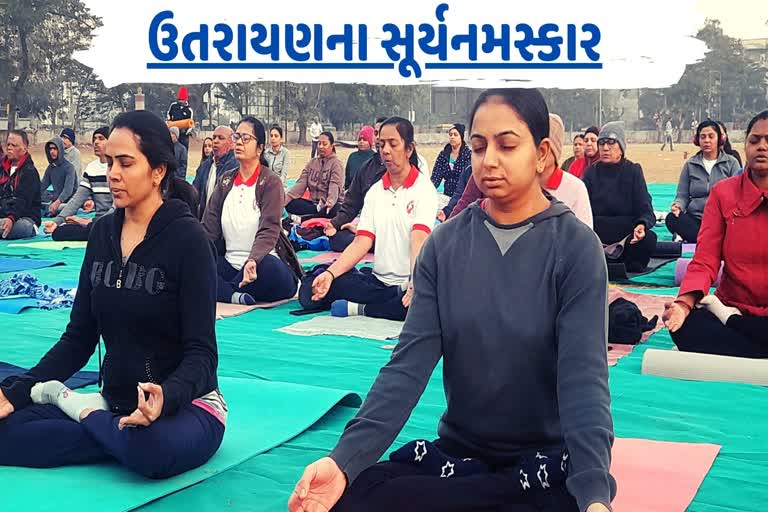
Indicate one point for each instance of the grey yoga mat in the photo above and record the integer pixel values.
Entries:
(704, 367)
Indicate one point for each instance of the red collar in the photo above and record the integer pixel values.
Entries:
(408, 183)
(750, 197)
(251, 181)
(7, 162)
(554, 181)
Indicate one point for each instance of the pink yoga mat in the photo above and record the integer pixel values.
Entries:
(328, 257)
(657, 476)
(681, 267)
(689, 248)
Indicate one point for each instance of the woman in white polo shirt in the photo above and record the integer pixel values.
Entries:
(398, 214)
(244, 213)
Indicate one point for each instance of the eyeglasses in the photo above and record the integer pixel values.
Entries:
(608, 142)
(246, 137)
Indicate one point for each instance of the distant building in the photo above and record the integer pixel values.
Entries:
(756, 50)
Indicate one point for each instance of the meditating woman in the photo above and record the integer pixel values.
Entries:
(356, 159)
(243, 218)
(733, 321)
(450, 162)
(323, 177)
(699, 175)
(528, 423)
(398, 214)
(277, 155)
(621, 204)
(148, 288)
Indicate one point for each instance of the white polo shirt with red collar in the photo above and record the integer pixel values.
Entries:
(240, 219)
(571, 191)
(389, 216)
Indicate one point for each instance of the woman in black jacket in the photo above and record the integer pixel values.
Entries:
(148, 288)
(621, 205)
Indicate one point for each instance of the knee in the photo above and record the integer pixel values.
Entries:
(339, 242)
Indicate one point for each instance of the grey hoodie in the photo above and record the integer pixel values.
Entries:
(59, 173)
(72, 154)
(695, 183)
(518, 313)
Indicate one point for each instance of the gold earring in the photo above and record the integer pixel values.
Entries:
(539, 168)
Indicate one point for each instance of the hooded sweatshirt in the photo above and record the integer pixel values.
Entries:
(514, 383)
(72, 155)
(695, 182)
(60, 173)
(20, 190)
(155, 312)
(93, 186)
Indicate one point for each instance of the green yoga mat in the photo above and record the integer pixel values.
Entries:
(50, 245)
(262, 415)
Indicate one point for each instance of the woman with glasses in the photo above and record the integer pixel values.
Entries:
(621, 204)
(243, 217)
(323, 177)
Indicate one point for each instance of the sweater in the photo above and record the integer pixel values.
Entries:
(695, 182)
(94, 186)
(620, 199)
(226, 164)
(20, 190)
(279, 163)
(733, 231)
(461, 186)
(571, 191)
(371, 172)
(180, 152)
(579, 166)
(512, 386)
(324, 178)
(72, 155)
(470, 195)
(444, 171)
(59, 173)
(354, 162)
(156, 314)
(269, 195)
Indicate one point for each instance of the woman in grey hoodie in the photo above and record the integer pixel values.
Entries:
(512, 296)
(699, 175)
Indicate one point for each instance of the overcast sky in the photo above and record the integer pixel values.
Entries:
(744, 19)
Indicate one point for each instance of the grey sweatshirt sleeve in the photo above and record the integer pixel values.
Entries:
(70, 185)
(82, 194)
(400, 382)
(582, 369)
(683, 196)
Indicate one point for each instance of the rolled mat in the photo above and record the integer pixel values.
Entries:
(704, 367)
(681, 267)
(668, 250)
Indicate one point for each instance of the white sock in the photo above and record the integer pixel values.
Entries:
(715, 306)
(353, 308)
(72, 404)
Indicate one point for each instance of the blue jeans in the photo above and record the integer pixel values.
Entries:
(41, 436)
(274, 281)
(22, 228)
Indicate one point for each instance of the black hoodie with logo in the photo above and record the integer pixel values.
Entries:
(156, 314)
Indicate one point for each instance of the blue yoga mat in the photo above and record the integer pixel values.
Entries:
(15, 305)
(21, 264)
(78, 380)
(262, 415)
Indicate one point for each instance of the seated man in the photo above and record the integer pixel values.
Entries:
(399, 212)
(93, 189)
(19, 190)
(341, 231)
(61, 175)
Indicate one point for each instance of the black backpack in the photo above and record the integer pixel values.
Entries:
(626, 323)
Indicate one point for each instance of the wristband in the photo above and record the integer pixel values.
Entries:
(684, 304)
(333, 276)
